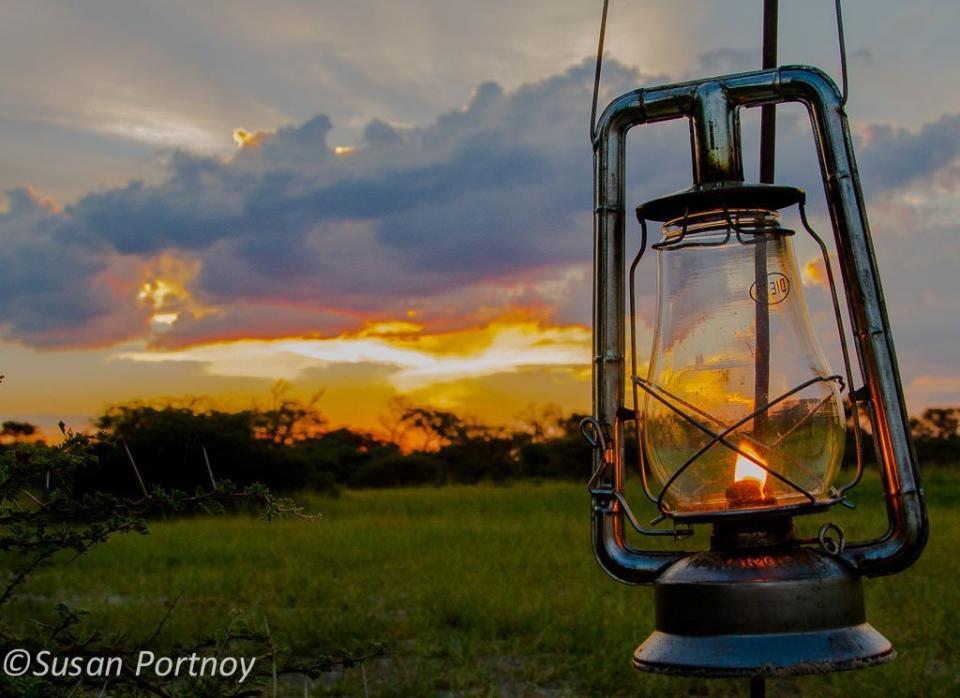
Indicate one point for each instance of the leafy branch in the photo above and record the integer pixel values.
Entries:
(47, 515)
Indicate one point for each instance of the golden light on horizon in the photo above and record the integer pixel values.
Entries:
(415, 359)
(391, 328)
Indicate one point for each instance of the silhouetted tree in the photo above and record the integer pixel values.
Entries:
(17, 430)
(288, 420)
(935, 435)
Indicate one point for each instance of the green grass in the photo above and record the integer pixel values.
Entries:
(477, 591)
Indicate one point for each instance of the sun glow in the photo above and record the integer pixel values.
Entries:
(165, 318)
(251, 139)
(814, 273)
(160, 292)
(165, 291)
(415, 360)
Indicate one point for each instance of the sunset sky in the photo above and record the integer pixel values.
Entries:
(381, 198)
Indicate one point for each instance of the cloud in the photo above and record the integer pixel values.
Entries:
(285, 233)
(724, 61)
(893, 157)
(60, 291)
(814, 272)
(248, 139)
(416, 361)
(484, 211)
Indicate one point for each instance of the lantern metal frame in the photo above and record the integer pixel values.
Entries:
(790, 575)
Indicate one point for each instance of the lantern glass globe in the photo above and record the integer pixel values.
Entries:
(735, 350)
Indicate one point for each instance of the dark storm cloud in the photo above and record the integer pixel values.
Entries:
(414, 216)
(51, 290)
(894, 157)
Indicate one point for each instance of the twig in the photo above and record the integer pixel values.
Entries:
(33, 499)
(206, 458)
(23, 575)
(144, 684)
(273, 655)
(163, 621)
(136, 470)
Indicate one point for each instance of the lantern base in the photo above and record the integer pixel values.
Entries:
(775, 654)
(778, 612)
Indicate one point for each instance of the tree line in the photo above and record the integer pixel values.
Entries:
(288, 446)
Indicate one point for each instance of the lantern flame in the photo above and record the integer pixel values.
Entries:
(747, 469)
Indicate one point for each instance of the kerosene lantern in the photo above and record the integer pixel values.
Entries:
(739, 419)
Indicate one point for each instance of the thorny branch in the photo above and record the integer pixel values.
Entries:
(45, 517)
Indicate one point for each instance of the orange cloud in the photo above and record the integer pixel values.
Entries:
(416, 360)
(251, 139)
(165, 290)
(814, 273)
(39, 200)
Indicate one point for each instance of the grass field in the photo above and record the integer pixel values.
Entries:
(477, 591)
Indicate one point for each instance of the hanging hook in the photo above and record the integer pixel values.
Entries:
(596, 77)
(843, 57)
(592, 433)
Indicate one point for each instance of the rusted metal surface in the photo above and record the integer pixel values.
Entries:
(776, 611)
(837, 650)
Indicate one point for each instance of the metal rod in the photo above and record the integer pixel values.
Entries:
(596, 78)
(641, 460)
(715, 137)
(136, 470)
(768, 112)
(206, 459)
(843, 56)
(851, 387)
(768, 137)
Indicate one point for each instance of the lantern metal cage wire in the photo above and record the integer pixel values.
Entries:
(717, 429)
